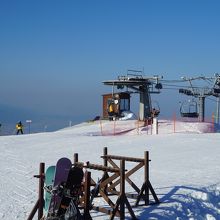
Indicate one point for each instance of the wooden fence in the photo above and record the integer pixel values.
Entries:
(112, 183)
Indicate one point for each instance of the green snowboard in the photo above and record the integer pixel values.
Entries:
(49, 179)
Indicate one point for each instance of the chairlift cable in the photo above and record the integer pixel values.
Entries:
(196, 87)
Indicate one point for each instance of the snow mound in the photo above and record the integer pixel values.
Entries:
(127, 115)
(134, 127)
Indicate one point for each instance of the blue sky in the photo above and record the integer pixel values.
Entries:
(54, 54)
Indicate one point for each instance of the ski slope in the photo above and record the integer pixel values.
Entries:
(184, 167)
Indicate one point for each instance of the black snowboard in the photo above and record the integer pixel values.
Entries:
(71, 192)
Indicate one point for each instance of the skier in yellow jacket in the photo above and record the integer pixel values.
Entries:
(111, 111)
(19, 127)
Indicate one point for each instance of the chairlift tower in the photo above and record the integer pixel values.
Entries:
(136, 81)
(216, 93)
(202, 93)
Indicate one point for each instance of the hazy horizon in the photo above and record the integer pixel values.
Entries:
(54, 55)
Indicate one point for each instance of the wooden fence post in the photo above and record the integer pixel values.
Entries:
(105, 160)
(41, 190)
(87, 204)
(75, 158)
(122, 189)
(33, 211)
(146, 176)
(40, 201)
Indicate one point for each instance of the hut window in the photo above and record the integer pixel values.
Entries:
(124, 105)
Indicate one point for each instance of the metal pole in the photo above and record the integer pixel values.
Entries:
(201, 108)
(145, 103)
(113, 88)
(29, 125)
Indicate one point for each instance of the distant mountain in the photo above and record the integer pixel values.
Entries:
(10, 115)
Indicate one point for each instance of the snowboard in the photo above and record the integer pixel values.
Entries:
(49, 180)
(71, 192)
(61, 173)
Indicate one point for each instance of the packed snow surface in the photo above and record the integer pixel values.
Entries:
(184, 167)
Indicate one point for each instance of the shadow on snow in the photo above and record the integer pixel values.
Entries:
(184, 202)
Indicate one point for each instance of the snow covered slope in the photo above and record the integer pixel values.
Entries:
(184, 167)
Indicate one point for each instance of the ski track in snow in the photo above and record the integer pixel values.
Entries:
(15, 171)
(187, 190)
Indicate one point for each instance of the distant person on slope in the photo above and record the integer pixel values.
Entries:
(19, 127)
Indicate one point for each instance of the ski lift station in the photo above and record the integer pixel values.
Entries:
(144, 86)
(133, 83)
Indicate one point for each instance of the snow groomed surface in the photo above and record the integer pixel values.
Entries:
(184, 167)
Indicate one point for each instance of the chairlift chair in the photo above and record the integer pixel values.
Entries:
(189, 109)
